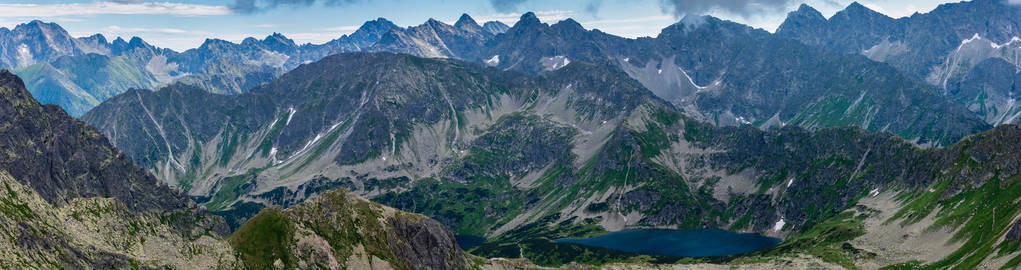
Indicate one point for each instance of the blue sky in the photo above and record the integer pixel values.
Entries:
(183, 24)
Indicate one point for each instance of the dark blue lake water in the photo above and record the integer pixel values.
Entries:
(679, 243)
(468, 241)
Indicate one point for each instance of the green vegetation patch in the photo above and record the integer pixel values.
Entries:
(265, 238)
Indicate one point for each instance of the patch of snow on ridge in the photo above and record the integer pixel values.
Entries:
(973, 38)
(741, 120)
(789, 182)
(874, 192)
(563, 63)
(24, 56)
(554, 63)
(493, 61)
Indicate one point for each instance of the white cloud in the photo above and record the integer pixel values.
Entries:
(101, 8)
(345, 28)
(633, 20)
(896, 11)
(314, 38)
(118, 29)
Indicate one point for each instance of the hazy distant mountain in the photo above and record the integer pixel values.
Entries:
(217, 66)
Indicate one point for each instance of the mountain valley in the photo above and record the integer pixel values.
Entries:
(857, 141)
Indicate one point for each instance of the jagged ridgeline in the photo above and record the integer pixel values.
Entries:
(968, 51)
(78, 73)
(69, 200)
(578, 151)
(714, 70)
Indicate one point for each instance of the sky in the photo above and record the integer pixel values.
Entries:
(184, 24)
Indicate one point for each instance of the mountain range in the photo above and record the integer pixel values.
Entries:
(524, 159)
(860, 140)
(725, 90)
(79, 73)
(968, 51)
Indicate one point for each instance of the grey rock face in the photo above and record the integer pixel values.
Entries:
(942, 47)
(63, 158)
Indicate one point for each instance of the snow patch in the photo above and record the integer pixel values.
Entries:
(290, 115)
(779, 225)
(273, 155)
(24, 56)
(740, 119)
(692, 81)
(973, 38)
(554, 63)
(789, 182)
(874, 192)
(493, 61)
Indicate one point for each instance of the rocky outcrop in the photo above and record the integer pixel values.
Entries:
(340, 230)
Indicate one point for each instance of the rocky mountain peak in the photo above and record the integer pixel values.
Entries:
(376, 25)
(857, 10)
(371, 31)
(569, 24)
(528, 19)
(99, 38)
(807, 12)
(137, 42)
(495, 27)
(467, 23)
(804, 17)
(12, 91)
(37, 24)
(278, 42)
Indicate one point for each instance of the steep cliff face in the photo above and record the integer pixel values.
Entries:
(63, 158)
(71, 200)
